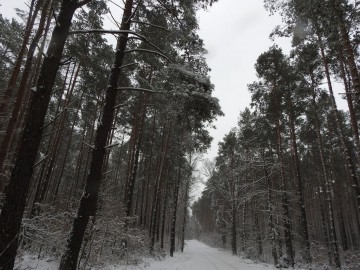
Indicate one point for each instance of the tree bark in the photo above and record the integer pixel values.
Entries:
(88, 202)
(284, 198)
(333, 238)
(17, 190)
(34, 9)
(183, 224)
(347, 46)
(138, 127)
(156, 198)
(270, 208)
(301, 202)
(173, 219)
(23, 86)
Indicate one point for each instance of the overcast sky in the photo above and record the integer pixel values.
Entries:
(235, 33)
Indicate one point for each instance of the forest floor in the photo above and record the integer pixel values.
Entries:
(196, 256)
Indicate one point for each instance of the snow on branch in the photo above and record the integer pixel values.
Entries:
(128, 65)
(60, 113)
(152, 25)
(141, 37)
(40, 161)
(119, 105)
(135, 89)
(134, 12)
(150, 51)
(188, 73)
(89, 145)
(111, 145)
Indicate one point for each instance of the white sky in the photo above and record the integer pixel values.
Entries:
(235, 33)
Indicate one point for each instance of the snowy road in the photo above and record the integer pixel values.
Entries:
(198, 256)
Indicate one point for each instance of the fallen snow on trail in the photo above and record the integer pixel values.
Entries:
(198, 256)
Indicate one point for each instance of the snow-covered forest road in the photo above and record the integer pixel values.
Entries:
(198, 256)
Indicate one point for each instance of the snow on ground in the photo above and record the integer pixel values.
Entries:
(196, 256)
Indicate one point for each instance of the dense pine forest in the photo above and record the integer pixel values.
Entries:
(103, 131)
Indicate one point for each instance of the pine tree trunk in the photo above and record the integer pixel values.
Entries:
(138, 127)
(284, 199)
(233, 229)
(76, 176)
(258, 231)
(22, 87)
(156, 196)
(271, 218)
(146, 214)
(183, 225)
(88, 202)
(17, 190)
(333, 238)
(5, 100)
(53, 153)
(243, 233)
(303, 218)
(35, 209)
(68, 144)
(347, 46)
(350, 102)
(163, 215)
(173, 219)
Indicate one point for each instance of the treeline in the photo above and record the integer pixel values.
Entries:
(98, 144)
(285, 185)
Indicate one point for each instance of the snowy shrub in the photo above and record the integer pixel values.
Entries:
(284, 262)
(352, 259)
(112, 238)
(45, 234)
(252, 253)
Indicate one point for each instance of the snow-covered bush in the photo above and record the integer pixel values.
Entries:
(45, 233)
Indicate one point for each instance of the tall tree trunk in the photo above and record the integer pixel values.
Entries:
(270, 209)
(344, 145)
(163, 215)
(303, 218)
(333, 238)
(183, 224)
(149, 172)
(23, 86)
(34, 75)
(350, 102)
(347, 46)
(17, 190)
(173, 219)
(233, 229)
(258, 231)
(88, 202)
(53, 154)
(35, 209)
(156, 196)
(284, 198)
(243, 232)
(5, 101)
(138, 127)
(68, 144)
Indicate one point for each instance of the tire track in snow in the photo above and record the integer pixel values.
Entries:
(209, 257)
